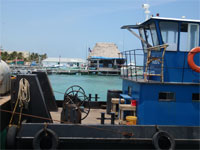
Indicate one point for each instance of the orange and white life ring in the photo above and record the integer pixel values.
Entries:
(190, 59)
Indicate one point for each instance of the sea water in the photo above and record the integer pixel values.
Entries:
(92, 84)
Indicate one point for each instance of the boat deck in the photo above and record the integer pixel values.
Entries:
(94, 117)
(4, 99)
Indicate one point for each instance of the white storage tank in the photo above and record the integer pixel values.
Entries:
(5, 80)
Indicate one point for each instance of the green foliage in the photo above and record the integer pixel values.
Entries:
(19, 55)
(4, 56)
(36, 57)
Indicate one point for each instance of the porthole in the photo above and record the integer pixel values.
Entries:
(196, 97)
(167, 96)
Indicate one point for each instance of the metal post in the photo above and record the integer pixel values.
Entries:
(102, 117)
(123, 65)
(112, 118)
(98, 64)
(135, 65)
(0, 52)
(130, 64)
(96, 97)
(90, 96)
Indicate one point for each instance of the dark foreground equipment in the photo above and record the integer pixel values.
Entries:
(75, 99)
(34, 132)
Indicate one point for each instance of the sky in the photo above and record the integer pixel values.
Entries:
(67, 28)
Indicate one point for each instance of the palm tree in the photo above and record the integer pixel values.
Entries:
(13, 55)
(31, 57)
(5, 56)
(44, 56)
(20, 55)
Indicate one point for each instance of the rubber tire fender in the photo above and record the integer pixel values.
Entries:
(11, 137)
(41, 134)
(160, 134)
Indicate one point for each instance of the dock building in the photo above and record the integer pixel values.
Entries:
(105, 59)
(65, 62)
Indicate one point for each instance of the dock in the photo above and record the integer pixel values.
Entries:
(93, 117)
(68, 71)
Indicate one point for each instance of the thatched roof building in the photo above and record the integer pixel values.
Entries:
(104, 50)
(105, 58)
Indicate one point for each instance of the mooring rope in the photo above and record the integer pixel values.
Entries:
(58, 92)
(126, 134)
(23, 99)
(24, 92)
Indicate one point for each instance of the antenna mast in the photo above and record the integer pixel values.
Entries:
(1, 49)
(146, 8)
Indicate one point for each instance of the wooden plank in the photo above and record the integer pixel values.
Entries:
(4, 99)
(116, 100)
(127, 107)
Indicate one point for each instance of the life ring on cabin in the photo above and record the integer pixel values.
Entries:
(11, 137)
(45, 139)
(190, 59)
(163, 140)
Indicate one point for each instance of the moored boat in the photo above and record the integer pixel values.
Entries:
(165, 100)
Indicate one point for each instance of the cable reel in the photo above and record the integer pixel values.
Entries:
(76, 95)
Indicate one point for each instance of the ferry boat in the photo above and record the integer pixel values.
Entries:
(165, 102)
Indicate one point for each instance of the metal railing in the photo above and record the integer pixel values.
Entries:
(134, 66)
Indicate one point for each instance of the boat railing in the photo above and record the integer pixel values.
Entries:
(134, 67)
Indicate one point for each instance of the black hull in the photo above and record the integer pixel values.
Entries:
(109, 136)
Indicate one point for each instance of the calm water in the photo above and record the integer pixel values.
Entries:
(90, 83)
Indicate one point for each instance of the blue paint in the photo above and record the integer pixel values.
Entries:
(151, 111)
(174, 61)
(179, 79)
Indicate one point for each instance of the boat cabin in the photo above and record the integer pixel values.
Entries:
(168, 93)
(181, 36)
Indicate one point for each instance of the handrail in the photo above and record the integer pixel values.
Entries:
(133, 69)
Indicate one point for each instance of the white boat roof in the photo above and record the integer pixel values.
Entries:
(160, 18)
(172, 19)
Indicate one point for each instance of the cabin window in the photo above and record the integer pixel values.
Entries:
(154, 34)
(196, 97)
(148, 36)
(142, 34)
(189, 36)
(166, 96)
(169, 32)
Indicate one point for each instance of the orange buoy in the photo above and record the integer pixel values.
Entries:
(190, 59)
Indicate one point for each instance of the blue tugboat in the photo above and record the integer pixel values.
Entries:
(169, 93)
(166, 100)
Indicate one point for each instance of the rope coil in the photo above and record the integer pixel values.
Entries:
(23, 99)
(24, 93)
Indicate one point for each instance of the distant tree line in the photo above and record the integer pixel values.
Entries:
(19, 55)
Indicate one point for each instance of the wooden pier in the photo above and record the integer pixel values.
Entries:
(68, 71)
